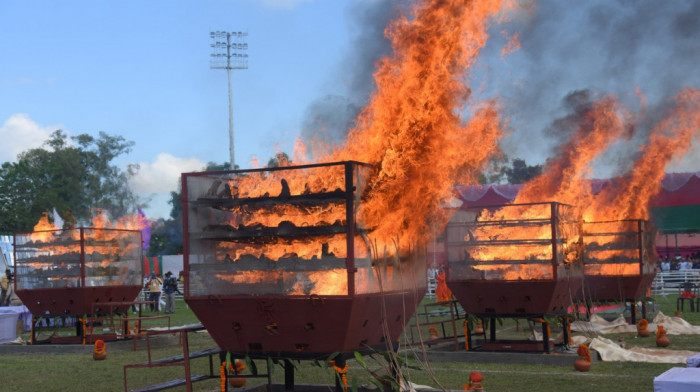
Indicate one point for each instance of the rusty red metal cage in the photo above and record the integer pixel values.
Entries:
(619, 260)
(516, 260)
(279, 261)
(66, 272)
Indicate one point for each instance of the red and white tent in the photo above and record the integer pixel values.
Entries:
(677, 189)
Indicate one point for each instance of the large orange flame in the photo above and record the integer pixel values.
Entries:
(411, 131)
(57, 252)
(564, 179)
(670, 139)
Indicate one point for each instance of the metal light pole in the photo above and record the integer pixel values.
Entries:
(229, 53)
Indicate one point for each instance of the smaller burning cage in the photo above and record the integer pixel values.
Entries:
(279, 261)
(65, 272)
(619, 260)
(515, 260)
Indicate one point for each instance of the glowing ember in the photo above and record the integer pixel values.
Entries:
(532, 246)
(107, 254)
(333, 282)
(565, 178)
(618, 248)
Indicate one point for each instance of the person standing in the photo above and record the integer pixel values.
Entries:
(169, 289)
(442, 292)
(4, 284)
(153, 286)
(665, 265)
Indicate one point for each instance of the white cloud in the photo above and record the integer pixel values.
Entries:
(155, 180)
(19, 133)
(284, 4)
(161, 176)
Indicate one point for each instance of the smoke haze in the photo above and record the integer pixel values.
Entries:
(606, 47)
(642, 52)
(329, 118)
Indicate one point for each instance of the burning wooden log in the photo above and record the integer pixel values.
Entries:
(501, 263)
(619, 261)
(282, 253)
(63, 272)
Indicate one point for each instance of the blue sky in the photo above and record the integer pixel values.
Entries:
(140, 69)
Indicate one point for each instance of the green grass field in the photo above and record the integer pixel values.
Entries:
(71, 372)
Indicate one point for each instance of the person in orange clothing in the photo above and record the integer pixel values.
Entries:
(441, 291)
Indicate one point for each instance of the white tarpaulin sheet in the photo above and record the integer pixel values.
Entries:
(600, 325)
(611, 351)
(678, 379)
(672, 325)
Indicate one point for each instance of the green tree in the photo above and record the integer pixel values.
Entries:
(166, 237)
(280, 159)
(211, 166)
(519, 172)
(71, 178)
(502, 169)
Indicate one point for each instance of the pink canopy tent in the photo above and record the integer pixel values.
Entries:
(677, 189)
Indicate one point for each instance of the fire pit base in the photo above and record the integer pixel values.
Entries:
(616, 288)
(493, 344)
(76, 300)
(304, 327)
(502, 298)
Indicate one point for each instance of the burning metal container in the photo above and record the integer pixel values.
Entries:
(279, 260)
(515, 260)
(67, 272)
(619, 260)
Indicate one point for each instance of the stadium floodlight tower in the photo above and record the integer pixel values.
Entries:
(229, 53)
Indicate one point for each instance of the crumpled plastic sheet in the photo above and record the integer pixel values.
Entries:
(611, 351)
(672, 325)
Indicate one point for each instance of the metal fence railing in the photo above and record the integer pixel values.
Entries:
(669, 282)
(432, 285)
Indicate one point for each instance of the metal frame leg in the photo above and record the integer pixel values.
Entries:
(340, 363)
(288, 375)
